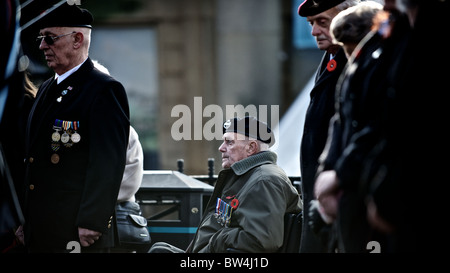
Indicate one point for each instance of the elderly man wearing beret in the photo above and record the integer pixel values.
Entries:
(76, 142)
(252, 194)
(319, 13)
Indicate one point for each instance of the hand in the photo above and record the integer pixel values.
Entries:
(326, 183)
(327, 192)
(87, 236)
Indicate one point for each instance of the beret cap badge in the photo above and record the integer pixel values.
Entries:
(227, 124)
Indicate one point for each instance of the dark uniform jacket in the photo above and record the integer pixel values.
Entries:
(261, 193)
(75, 184)
(315, 133)
(353, 133)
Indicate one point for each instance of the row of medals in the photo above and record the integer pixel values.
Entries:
(223, 212)
(67, 138)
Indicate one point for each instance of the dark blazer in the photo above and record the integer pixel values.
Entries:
(75, 186)
(315, 133)
(353, 133)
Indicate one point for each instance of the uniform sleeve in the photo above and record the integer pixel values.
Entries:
(259, 218)
(108, 139)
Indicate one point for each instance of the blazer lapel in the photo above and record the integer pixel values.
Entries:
(323, 75)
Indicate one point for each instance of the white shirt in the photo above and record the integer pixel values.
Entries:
(60, 78)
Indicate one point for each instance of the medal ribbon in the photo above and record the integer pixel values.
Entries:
(223, 212)
(58, 123)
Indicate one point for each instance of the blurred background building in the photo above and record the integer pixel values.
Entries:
(226, 52)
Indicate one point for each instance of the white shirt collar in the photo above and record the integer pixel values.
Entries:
(60, 78)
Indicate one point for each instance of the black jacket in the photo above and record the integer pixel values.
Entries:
(71, 186)
(315, 133)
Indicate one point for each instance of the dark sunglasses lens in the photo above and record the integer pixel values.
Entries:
(48, 40)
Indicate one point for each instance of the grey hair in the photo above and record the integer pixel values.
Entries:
(346, 4)
(351, 25)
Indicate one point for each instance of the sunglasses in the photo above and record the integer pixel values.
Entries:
(51, 39)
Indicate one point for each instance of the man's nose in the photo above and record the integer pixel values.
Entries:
(315, 31)
(222, 147)
(43, 45)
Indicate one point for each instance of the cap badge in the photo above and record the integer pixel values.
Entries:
(227, 124)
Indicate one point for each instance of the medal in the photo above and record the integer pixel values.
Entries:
(57, 127)
(65, 137)
(223, 212)
(216, 214)
(75, 136)
(56, 136)
(54, 158)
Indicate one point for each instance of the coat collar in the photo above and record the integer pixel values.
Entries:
(244, 165)
(323, 75)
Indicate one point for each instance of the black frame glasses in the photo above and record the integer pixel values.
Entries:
(50, 40)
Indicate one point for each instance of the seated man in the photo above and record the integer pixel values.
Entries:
(251, 196)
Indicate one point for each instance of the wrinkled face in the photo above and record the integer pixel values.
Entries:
(321, 27)
(60, 54)
(233, 149)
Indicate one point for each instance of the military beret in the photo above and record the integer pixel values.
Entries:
(314, 7)
(251, 127)
(67, 16)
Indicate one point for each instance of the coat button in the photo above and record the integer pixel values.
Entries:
(54, 158)
(109, 225)
(31, 159)
(31, 187)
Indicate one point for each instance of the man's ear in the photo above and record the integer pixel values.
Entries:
(78, 40)
(252, 147)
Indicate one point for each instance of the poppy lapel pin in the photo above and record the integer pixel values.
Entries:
(331, 65)
(234, 203)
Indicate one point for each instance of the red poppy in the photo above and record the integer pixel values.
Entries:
(331, 66)
(234, 203)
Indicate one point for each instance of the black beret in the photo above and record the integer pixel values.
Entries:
(314, 7)
(251, 127)
(67, 16)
